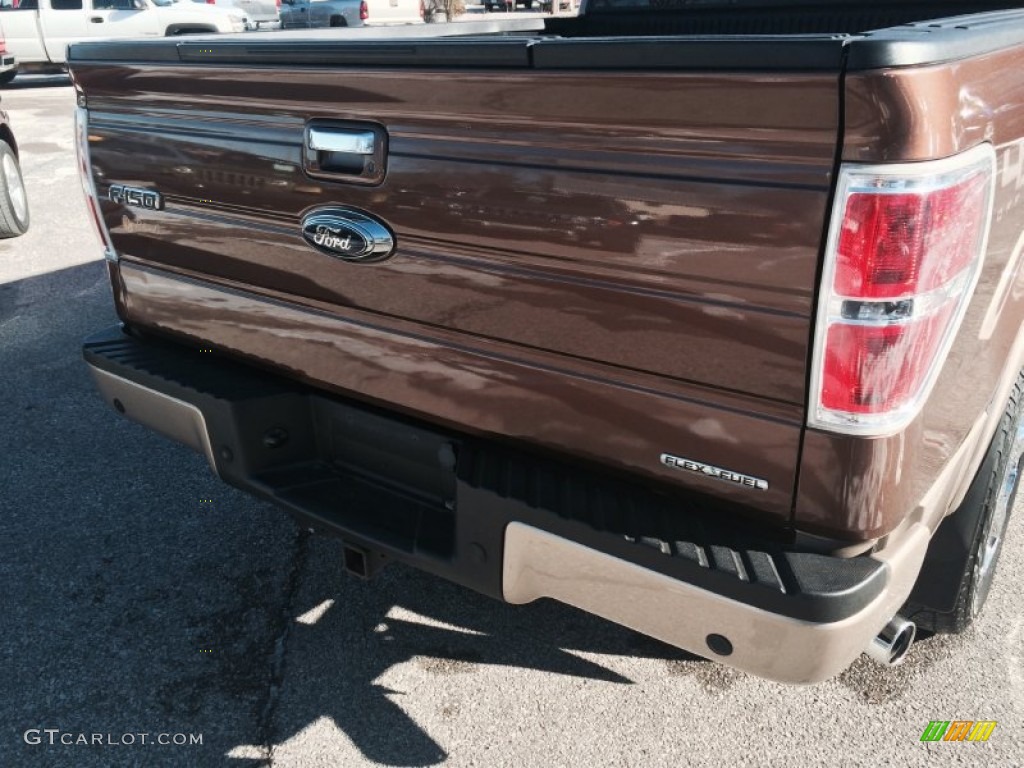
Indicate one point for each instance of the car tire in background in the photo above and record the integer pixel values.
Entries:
(8, 76)
(961, 561)
(14, 216)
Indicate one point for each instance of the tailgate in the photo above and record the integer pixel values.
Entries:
(651, 237)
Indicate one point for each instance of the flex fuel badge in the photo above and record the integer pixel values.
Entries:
(700, 468)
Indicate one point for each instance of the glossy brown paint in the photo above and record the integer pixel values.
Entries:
(626, 268)
(493, 388)
(665, 246)
(904, 115)
(864, 488)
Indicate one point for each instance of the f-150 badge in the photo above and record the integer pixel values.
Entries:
(136, 197)
(700, 468)
(348, 234)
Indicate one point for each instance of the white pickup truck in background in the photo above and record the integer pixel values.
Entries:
(37, 32)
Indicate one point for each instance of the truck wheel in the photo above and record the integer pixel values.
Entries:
(338, 21)
(13, 201)
(8, 76)
(961, 561)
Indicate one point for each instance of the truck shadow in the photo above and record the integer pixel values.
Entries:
(375, 642)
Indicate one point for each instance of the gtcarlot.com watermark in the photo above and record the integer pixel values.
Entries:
(55, 736)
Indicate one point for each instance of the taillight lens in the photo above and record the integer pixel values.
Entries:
(85, 174)
(423, 10)
(3, 43)
(364, 11)
(903, 256)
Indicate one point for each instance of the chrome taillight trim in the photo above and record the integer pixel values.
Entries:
(893, 178)
(84, 159)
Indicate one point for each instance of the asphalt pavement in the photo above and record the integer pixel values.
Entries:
(142, 596)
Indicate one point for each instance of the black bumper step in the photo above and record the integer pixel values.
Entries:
(441, 501)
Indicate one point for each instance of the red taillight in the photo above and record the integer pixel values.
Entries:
(871, 369)
(3, 45)
(278, 4)
(364, 11)
(423, 10)
(903, 256)
(885, 238)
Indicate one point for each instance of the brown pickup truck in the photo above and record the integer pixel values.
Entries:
(705, 319)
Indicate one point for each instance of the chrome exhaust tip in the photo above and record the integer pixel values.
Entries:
(892, 643)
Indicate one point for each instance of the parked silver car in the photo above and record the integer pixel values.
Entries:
(303, 14)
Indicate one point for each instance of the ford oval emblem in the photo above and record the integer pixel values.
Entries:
(348, 234)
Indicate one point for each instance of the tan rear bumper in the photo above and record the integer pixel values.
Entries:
(539, 564)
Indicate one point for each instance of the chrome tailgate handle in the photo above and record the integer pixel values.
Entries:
(348, 152)
(339, 140)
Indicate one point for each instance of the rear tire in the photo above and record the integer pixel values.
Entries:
(14, 218)
(960, 565)
(338, 21)
(8, 76)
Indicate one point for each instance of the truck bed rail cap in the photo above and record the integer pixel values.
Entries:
(168, 50)
(934, 42)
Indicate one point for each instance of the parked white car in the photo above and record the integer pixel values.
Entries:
(38, 32)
